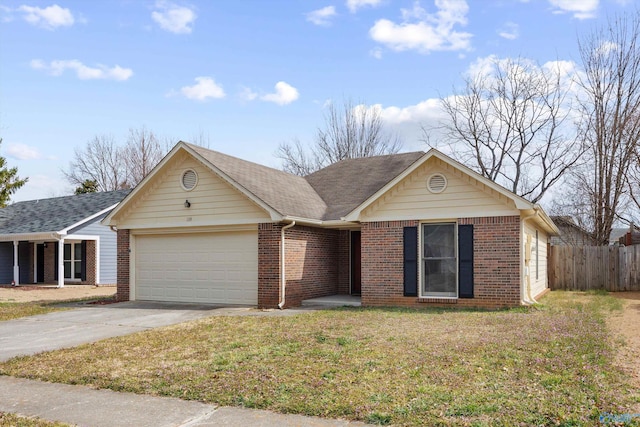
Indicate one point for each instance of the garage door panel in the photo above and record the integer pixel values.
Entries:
(203, 267)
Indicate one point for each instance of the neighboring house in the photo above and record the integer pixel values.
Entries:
(411, 229)
(571, 234)
(59, 240)
(616, 234)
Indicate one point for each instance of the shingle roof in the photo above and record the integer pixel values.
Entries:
(286, 193)
(327, 194)
(55, 214)
(347, 184)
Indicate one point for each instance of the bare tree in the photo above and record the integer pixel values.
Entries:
(141, 154)
(512, 124)
(101, 160)
(349, 132)
(610, 125)
(114, 167)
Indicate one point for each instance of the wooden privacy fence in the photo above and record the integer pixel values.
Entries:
(594, 267)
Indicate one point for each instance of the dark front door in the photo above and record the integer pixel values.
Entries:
(356, 270)
(40, 263)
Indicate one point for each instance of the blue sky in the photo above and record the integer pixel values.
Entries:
(246, 75)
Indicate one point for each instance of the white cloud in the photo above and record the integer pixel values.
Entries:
(425, 32)
(376, 52)
(205, 88)
(174, 18)
(49, 18)
(509, 31)
(22, 152)
(247, 94)
(581, 9)
(354, 5)
(83, 72)
(322, 16)
(284, 94)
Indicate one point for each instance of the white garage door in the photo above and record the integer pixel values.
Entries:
(199, 267)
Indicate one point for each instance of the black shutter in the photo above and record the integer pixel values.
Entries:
(465, 261)
(83, 261)
(410, 241)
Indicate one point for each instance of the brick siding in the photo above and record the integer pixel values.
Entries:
(344, 262)
(50, 262)
(123, 256)
(314, 264)
(268, 265)
(91, 263)
(496, 264)
(311, 263)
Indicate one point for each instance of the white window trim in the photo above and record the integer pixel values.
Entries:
(420, 259)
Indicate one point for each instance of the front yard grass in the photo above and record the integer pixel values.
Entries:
(549, 365)
(15, 310)
(12, 420)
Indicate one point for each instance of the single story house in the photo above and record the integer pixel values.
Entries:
(59, 240)
(410, 229)
(571, 234)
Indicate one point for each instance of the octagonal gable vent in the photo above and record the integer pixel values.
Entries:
(189, 179)
(437, 183)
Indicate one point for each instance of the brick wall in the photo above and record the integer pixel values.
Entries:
(496, 264)
(123, 255)
(50, 262)
(344, 262)
(268, 265)
(311, 263)
(91, 263)
(382, 263)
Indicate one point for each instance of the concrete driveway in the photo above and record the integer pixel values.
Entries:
(35, 334)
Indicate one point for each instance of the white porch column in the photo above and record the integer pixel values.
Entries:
(61, 263)
(16, 267)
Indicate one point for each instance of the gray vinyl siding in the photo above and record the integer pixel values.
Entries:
(6, 262)
(108, 260)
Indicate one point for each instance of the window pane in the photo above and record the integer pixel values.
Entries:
(77, 270)
(67, 251)
(77, 251)
(440, 277)
(439, 241)
(67, 270)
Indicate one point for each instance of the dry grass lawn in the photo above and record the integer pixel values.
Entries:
(12, 420)
(550, 365)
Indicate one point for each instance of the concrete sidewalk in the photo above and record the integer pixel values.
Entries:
(85, 406)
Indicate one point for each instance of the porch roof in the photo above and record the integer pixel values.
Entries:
(49, 218)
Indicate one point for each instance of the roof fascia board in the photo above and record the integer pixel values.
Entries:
(546, 219)
(520, 202)
(319, 223)
(354, 215)
(108, 219)
(48, 236)
(275, 215)
(87, 219)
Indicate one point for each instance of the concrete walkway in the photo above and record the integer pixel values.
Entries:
(84, 406)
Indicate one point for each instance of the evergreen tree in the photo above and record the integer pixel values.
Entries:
(9, 181)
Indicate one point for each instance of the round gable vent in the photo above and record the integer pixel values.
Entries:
(437, 183)
(189, 179)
